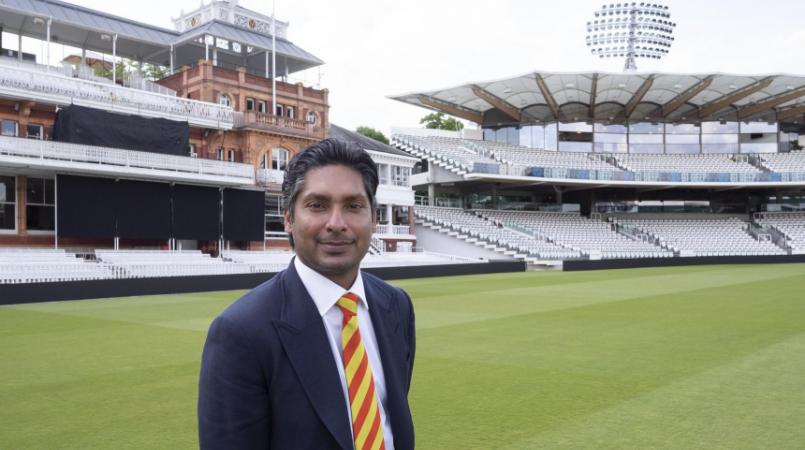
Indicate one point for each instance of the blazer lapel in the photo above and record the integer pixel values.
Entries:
(304, 338)
(386, 322)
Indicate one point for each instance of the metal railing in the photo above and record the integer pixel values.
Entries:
(392, 229)
(62, 151)
(265, 176)
(19, 80)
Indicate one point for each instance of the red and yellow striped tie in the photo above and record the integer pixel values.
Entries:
(367, 430)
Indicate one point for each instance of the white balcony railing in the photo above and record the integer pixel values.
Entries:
(392, 229)
(87, 158)
(265, 176)
(18, 80)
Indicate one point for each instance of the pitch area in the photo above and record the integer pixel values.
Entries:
(689, 357)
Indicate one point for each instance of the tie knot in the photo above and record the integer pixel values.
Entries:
(348, 303)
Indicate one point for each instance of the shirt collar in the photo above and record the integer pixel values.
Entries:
(324, 292)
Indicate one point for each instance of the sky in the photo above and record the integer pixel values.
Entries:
(376, 48)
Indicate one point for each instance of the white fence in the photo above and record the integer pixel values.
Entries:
(20, 80)
(393, 230)
(57, 152)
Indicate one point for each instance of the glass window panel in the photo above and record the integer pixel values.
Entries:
(681, 139)
(39, 217)
(525, 137)
(606, 147)
(718, 127)
(763, 147)
(382, 172)
(279, 158)
(538, 136)
(550, 136)
(34, 131)
(645, 148)
(719, 139)
(758, 127)
(646, 128)
(512, 136)
(601, 128)
(682, 128)
(576, 147)
(8, 191)
(489, 134)
(719, 148)
(8, 218)
(645, 139)
(610, 138)
(9, 128)
(35, 190)
(686, 149)
(576, 126)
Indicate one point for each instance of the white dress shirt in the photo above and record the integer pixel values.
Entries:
(325, 293)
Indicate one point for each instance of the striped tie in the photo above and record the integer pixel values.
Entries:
(367, 431)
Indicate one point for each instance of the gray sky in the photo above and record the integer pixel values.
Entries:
(375, 48)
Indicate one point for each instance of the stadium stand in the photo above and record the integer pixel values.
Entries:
(525, 156)
(784, 162)
(712, 163)
(704, 237)
(487, 233)
(593, 238)
(450, 153)
(26, 265)
(790, 224)
(165, 263)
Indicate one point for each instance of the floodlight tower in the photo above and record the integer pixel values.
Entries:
(631, 30)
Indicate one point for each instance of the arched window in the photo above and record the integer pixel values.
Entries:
(279, 158)
(224, 100)
(290, 111)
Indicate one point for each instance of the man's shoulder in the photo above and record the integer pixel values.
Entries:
(263, 301)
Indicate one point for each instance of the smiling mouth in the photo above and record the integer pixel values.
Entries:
(335, 243)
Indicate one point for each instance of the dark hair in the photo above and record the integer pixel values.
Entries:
(328, 152)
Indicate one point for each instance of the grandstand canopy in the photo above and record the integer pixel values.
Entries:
(539, 97)
(93, 30)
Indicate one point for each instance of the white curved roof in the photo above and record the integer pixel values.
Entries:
(615, 97)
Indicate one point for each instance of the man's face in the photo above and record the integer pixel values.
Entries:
(333, 222)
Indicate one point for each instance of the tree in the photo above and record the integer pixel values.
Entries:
(437, 121)
(372, 133)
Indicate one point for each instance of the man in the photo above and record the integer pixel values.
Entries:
(321, 355)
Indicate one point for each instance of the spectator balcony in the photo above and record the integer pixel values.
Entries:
(278, 124)
(87, 159)
(61, 86)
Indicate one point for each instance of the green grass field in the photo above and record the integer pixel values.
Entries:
(697, 357)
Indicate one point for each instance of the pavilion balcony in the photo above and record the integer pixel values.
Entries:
(270, 177)
(52, 85)
(103, 161)
(278, 124)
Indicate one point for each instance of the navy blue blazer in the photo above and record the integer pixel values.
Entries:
(268, 378)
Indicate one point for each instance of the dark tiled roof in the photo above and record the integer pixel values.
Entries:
(362, 141)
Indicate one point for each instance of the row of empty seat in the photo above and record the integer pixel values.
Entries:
(593, 238)
(477, 229)
(790, 224)
(685, 163)
(705, 237)
(25, 265)
(451, 153)
(467, 155)
(784, 162)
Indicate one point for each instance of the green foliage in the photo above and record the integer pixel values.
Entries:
(372, 133)
(438, 121)
(151, 72)
(689, 357)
